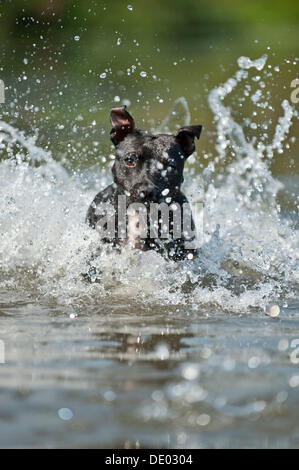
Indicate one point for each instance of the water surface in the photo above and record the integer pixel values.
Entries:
(153, 353)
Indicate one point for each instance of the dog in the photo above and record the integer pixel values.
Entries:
(147, 177)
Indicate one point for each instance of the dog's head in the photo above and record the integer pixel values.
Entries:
(144, 161)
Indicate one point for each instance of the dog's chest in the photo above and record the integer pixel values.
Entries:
(133, 228)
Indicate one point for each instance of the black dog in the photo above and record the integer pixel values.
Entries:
(148, 173)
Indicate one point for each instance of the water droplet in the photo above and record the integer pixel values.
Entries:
(282, 396)
(77, 38)
(143, 74)
(162, 351)
(190, 371)
(129, 7)
(254, 362)
(273, 310)
(203, 419)
(103, 75)
(65, 413)
(157, 395)
(294, 381)
(109, 395)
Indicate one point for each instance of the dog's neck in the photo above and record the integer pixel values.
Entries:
(141, 193)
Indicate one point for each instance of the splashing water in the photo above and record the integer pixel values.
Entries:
(246, 198)
(45, 245)
(179, 116)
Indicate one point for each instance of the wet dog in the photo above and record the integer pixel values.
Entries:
(144, 206)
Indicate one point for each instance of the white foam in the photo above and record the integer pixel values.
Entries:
(248, 255)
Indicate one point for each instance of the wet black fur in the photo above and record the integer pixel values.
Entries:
(145, 165)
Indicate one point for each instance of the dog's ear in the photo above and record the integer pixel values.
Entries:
(122, 124)
(185, 137)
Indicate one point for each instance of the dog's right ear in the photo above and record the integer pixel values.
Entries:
(122, 124)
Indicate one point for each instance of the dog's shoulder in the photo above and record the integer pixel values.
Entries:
(106, 195)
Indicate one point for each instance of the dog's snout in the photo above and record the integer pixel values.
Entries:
(131, 160)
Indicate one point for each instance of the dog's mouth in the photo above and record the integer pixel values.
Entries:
(130, 162)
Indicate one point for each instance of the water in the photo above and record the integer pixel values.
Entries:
(154, 353)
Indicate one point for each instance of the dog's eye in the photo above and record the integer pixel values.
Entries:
(164, 158)
(119, 154)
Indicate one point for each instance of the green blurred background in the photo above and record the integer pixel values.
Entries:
(65, 63)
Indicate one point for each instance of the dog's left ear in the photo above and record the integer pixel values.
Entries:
(122, 124)
(185, 137)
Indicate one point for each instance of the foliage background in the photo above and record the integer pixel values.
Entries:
(54, 52)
